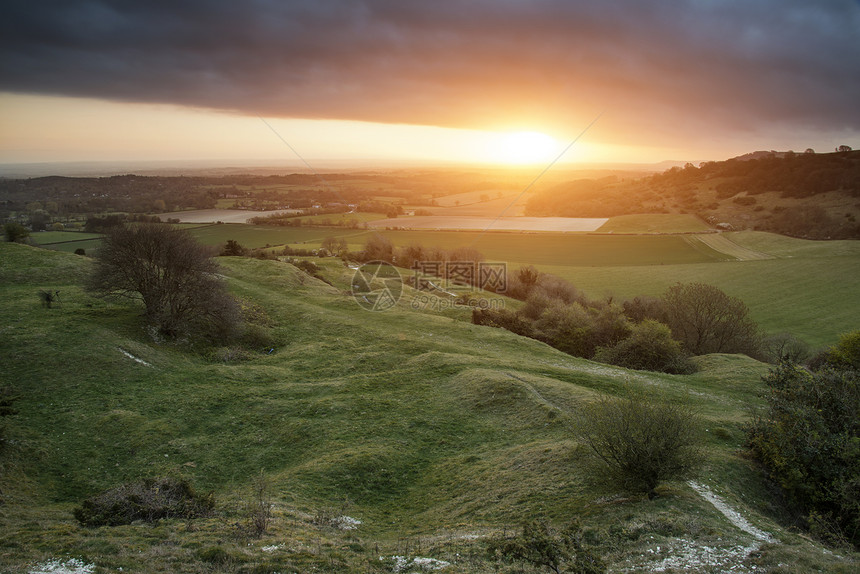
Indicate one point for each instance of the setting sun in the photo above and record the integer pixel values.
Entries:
(527, 147)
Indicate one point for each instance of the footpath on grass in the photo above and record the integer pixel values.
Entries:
(719, 242)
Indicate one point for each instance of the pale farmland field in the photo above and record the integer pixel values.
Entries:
(558, 224)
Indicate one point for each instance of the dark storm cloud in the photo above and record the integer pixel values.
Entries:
(654, 66)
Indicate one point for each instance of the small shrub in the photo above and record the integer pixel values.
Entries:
(649, 347)
(150, 500)
(258, 510)
(332, 516)
(503, 319)
(541, 545)
(568, 328)
(784, 347)
(80, 251)
(15, 232)
(642, 440)
(233, 249)
(308, 267)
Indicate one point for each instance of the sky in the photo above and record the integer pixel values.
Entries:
(442, 81)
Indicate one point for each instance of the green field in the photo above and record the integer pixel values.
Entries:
(253, 236)
(342, 218)
(655, 223)
(67, 241)
(433, 432)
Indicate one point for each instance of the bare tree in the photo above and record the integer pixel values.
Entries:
(173, 275)
(706, 320)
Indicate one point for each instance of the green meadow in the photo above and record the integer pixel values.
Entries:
(655, 223)
(432, 432)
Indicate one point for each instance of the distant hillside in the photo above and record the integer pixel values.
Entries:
(816, 196)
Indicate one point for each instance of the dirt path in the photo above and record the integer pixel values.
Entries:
(733, 515)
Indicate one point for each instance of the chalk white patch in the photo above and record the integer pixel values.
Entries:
(133, 358)
(733, 515)
(72, 566)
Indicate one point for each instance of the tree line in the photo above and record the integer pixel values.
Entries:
(733, 183)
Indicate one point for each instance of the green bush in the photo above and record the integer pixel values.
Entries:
(503, 319)
(649, 347)
(150, 500)
(846, 353)
(233, 249)
(808, 438)
(641, 440)
(15, 232)
(542, 545)
(308, 267)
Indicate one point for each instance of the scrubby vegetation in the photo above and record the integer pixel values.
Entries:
(648, 347)
(642, 440)
(543, 546)
(15, 232)
(808, 439)
(149, 500)
(641, 333)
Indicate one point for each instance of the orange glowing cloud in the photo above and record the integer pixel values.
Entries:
(698, 77)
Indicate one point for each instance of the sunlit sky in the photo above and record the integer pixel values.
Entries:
(501, 81)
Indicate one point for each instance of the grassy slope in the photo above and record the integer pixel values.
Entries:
(433, 430)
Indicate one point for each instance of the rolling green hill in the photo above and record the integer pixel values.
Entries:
(432, 432)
